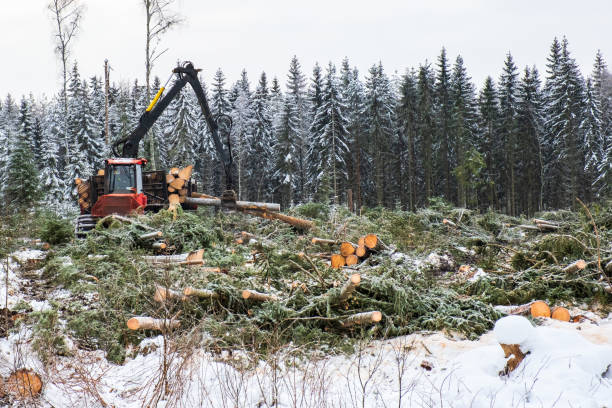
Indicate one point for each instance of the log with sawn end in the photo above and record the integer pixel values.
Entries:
(162, 294)
(324, 241)
(349, 287)
(257, 296)
(575, 266)
(149, 323)
(238, 205)
(362, 318)
(201, 293)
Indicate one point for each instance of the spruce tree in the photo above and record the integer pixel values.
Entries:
(51, 181)
(508, 88)
(463, 126)
(242, 135)
(261, 154)
(329, 148)
(297, 120)
(601, 99)
(407, 116)
(446, 157)
(530, 138)
(490, 144)
(426, 127)
(22, 191)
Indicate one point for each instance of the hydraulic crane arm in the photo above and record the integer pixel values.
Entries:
(185, 73)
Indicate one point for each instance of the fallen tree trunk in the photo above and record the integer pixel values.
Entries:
(362, 318)
(296, 222)
(349, 287)
(575, 266)
(257, 296)
(239, 205)
(170, 259)
(149, 323)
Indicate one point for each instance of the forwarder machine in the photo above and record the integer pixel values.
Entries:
(123, 188)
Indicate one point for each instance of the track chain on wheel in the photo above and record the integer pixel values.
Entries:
(85, 223)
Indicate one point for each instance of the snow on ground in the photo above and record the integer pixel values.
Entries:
(569, 365)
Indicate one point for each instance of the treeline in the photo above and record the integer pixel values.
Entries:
(520, 144)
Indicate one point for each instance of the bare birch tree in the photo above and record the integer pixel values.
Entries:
(67, 16)
(159, 20)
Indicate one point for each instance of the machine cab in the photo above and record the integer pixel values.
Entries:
(123, 193)
(123, 176)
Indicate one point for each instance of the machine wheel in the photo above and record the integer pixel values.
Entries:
(85, 223)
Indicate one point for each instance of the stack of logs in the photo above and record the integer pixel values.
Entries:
(351, 254)
(177, 180)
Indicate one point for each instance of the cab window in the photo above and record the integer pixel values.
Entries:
(123, 180)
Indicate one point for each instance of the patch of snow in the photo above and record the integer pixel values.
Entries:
(512, 330)
(480, 273)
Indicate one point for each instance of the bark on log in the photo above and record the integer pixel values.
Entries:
(545, 222)
(575, 266)
(337, 261)
(151, 235)
(162, 294)
(351, 260)
(258, 296)
(159, 245)
(362, 318)
(185, 173)
(547, 227)
(192, 262)
(202, 195)
(149, 323)
(201, 293)
(240, 205)
(298, 223)
(529, 227)
(349, 287)
(346, 249)
(449, 223)
(213, 269)
(173, 199)
(169, 259)
(324, 241)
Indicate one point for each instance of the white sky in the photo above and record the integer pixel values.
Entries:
(264, 34)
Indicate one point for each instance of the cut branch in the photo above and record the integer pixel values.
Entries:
(258, 296)
(349, 287)
(149, 323)
(362, 318)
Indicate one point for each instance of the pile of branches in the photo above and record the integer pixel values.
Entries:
(238, 281)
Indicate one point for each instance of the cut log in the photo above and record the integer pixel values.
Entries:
(101, 172)
(575, 266)
(174, 171)
(547, 227)
(77, 181)
(159, 245)
(169, 178)
(346, 249)
(239, 205)
(202, 195)
(539, 308)
(192, 262)
(561, 313)
(349, 287)
(23, 383)
(201, 293)
(195, 255)
(362, 318)
(149, 323)
(173, 199)
(162, 294)
(351, 260)
(298, 223)
(183, 192)
(337, 261)
(177, 183)
(372, 242)
(171, 189)
(185, 174)
(324, 241)
(258, 296)
(169, 259)
(361, 241)
(517, 354)
(151, 235)
(361, 251)
(529, 227)
(545, 222)
(449, 223)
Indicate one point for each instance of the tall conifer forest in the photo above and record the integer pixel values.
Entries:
(523, 142)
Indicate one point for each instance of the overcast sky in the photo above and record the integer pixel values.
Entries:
(264, 34)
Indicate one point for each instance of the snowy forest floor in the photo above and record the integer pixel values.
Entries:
(440, 288)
